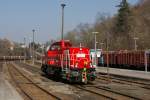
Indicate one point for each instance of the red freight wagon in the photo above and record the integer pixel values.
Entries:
(128, 59)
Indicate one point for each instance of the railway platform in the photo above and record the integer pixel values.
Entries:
(7, 91)
(125, 72)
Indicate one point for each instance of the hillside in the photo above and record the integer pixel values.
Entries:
(139, 21)
(142, 23)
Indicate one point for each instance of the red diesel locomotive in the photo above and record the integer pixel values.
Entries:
(70, 63)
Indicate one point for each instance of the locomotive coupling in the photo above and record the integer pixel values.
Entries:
(84, 76)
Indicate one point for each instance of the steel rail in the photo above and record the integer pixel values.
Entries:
(82, 88)
(118, 93)
(129, 82)
(87, 90)
(31, 83)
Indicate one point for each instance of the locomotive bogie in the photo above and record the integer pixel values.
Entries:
(78, 75)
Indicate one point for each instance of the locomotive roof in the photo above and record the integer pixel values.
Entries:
(66, 42)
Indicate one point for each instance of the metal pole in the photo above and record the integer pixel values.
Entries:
(95, 48)
(135, 43)
(43, 46)
(30, 48)
(62, 29)
(20, 58)
(101, 45)
(33, 48)
(24, 49)
(4, 60)
(145, 61)
(107, 48)
(107, 53)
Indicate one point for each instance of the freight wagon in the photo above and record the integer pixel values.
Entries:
(127, 59)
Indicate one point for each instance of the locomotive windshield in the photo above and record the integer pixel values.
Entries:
(58, 45)
(55, 47)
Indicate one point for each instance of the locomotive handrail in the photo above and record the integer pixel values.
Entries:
(64, 59)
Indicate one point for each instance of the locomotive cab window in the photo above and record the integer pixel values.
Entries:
(55, 47)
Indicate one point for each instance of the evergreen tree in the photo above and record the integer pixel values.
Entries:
(122, 25)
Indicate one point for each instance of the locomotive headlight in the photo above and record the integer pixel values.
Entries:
(84, 69)
(76, 65)
(91, 65)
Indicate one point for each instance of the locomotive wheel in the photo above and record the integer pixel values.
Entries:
(85, 81)
(43, 68)
(48, 71)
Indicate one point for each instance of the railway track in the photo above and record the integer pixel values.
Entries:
(96, 90)
(108, 94)
(134, 82)
(1, 67)
(30, 89)
(114, 79)
(31, 68)
(35, 69)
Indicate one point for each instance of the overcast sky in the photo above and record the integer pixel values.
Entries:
(19, 17)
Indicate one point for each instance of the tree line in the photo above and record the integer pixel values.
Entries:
(118, 32)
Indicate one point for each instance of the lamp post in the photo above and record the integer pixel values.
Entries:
(24, 49)
(135, 43)
(33, 31)
(95, 46)
(30, 48)
(107, 57)
(62, 27)
(145, 61)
